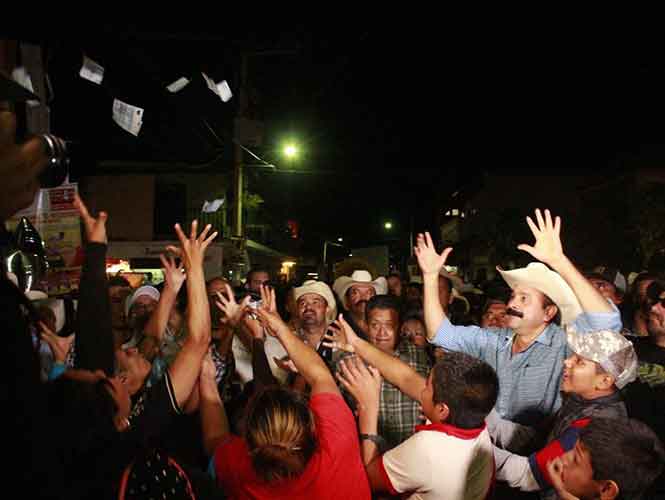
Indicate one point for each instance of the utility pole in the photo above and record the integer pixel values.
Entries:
(238, 174)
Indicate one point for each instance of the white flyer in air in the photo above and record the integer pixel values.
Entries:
(91, 71)
(178, 85)
(127, 116)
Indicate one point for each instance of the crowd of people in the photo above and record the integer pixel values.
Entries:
(366, 387)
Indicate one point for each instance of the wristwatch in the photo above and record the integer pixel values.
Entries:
(375, 438)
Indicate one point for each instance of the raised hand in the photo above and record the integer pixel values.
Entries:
(174, 275)
(363, 382)
(268, 299)
(95, 229)
(340, 336)
(254, 326)
(547, 247)
(267, 312)
(192, 249)
(59, 345)
(233, 312)
(429, 261)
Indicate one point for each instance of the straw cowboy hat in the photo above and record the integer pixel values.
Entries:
(537, 275)
(319, 288)
(359, 277)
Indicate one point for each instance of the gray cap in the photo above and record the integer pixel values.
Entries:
(611, 350)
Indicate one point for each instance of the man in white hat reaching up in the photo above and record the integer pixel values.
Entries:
(354, 292)
(528, 355)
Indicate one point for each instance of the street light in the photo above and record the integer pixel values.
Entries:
(388, 225)
(340, 239)
(290, 151)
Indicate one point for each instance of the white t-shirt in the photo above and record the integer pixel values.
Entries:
(442, 461)
(243, 358)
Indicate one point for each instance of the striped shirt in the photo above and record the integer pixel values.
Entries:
(529, 381)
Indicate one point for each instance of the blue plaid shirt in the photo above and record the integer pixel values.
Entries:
(529, 381)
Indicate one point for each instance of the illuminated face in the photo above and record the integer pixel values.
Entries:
(577, 472)
(494, 317)
(383, 325)
(580, 376)
(529, 302)
(357, 297)
(132, 366)
(256, 279)
(657, 318)
(414, 330)
(312, 310)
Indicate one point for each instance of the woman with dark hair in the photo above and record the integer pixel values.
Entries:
(99, 431)
(292, 448)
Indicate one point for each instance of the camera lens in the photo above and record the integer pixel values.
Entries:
(57, 168)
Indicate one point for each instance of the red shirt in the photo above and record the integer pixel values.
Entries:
(334, 471)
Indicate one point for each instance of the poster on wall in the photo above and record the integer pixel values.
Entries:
(57, 222)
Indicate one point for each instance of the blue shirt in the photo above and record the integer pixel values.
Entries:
(529, 381)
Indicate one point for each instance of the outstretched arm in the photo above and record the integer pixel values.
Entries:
(214, 423)
(94, 336)
(187, 364)
(395, 371)
(548, 249)
(307, 361)
(174, 277)
(430, 264)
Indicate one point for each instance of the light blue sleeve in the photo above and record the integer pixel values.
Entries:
(589, 322)
(472, 340)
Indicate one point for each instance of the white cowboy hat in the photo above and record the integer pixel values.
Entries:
(537, 275)
(359, 277)
(319, 288)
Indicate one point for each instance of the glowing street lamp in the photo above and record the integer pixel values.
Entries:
(290, 151)
(388, 225)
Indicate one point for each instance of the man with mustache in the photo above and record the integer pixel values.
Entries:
(528, 354)
(354, 292)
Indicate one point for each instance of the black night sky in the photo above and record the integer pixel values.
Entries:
(394, 117)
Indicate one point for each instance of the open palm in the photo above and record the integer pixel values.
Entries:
(547, 247)
(429, 261)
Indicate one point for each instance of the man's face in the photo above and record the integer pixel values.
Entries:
(357, 297)
(444, 293)
(657, 318)
(312, 310)
(577, 472)
(529, 302)
(580, 376)
(414, 330)
(383, 325)
(395, 286)
(141, 310)
(606, 289)
(256, 279)
(494, 317)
